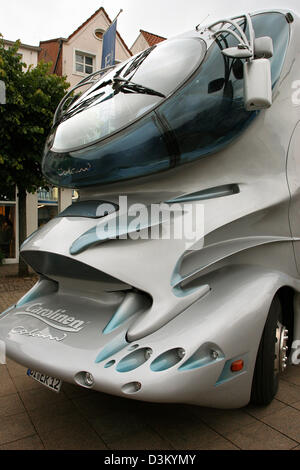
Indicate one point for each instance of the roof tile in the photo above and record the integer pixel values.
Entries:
(152, 39)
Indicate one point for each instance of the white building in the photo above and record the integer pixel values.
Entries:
(80, 54)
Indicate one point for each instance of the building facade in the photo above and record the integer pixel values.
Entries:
(144, 41)
(80, 54)
(76, 57)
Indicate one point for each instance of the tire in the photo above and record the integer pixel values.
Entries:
(265, 379)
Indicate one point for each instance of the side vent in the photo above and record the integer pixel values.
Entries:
(167, 360)
(90, 209)
(210, 193)
(134, 360)
(205, 355)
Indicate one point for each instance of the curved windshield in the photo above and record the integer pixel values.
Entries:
(128, 92)
(203, 116)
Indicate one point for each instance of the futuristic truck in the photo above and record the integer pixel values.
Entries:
(208, 118)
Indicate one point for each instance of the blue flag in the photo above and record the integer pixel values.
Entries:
(109, 46)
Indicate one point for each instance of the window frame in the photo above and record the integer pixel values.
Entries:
(84, 54)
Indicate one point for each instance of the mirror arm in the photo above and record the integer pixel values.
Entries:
(237, 27)
(251, 32)
(233, 33)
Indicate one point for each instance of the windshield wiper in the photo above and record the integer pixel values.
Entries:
(118, 85)
(124, 85)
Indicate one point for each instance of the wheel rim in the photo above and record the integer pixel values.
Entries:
(281, 348)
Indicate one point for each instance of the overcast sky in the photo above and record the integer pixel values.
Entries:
(35, 20)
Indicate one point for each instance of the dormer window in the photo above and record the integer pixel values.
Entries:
(84, 63)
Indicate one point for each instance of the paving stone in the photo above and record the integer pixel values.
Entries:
(54, 416)
(98, 404)
(28, 443)
(79, 436)
(15, 369)
(292, 375)
(184, 432)
(287, 421)
(262, 411)
(296, 405)
(11, 405)
(15, 427)
(40, 398)
(259, 436)
(115, 424)
(226, 421)
(6, 384)
(288, 393)
(143, 440)
(23, 383)
(219, 443)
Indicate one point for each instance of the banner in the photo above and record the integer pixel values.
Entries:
(109, 46)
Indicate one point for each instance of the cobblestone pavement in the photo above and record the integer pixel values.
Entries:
(32, 417)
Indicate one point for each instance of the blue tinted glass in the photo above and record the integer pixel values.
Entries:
(138, 152)
(276, 26)
(202, 117)
(208, 113)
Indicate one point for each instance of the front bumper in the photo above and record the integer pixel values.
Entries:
(186, 361)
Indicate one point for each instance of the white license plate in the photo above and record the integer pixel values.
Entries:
(51, 382)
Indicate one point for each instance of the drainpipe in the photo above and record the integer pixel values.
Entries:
(58, 55)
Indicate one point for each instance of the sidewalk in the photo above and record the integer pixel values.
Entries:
(12, 288)
(32, 417)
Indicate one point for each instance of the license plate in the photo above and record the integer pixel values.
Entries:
(51, 382)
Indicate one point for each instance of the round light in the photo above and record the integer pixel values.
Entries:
(148, 353)
(214, 354)
(181, 353)
(89, 379)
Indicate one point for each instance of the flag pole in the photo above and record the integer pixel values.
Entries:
(121, 11)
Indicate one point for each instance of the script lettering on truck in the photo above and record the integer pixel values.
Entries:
(58, 319)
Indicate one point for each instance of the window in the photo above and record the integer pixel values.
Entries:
(48, 197)
(8, 230)
(99, 33)
(8, 223)
(47, 205)
(84, 63)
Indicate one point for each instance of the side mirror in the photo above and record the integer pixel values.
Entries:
(237, 53)
(263, 48)
(257, 84)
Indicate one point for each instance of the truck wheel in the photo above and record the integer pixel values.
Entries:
(271, 358)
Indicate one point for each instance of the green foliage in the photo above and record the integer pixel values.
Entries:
(32, 95)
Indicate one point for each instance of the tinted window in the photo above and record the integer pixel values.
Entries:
(106, 108)
(209, 112)
(200, 118)
(138, 152)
